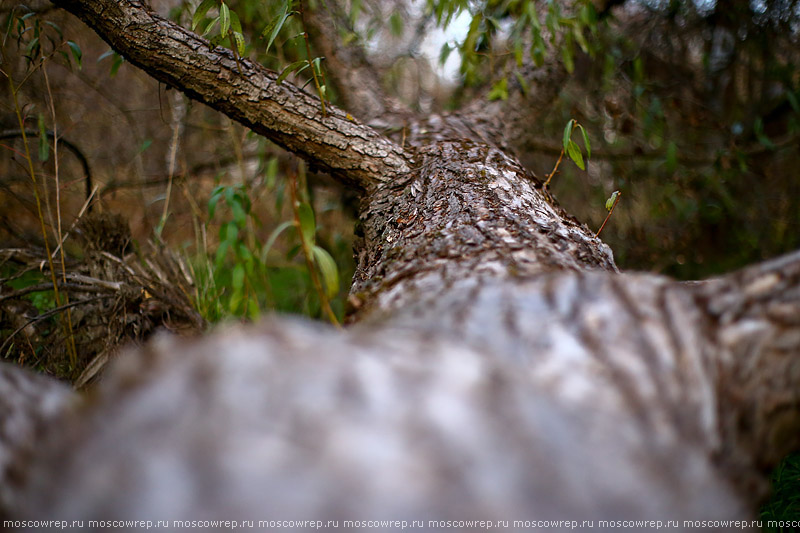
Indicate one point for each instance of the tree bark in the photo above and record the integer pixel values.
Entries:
(499, 366)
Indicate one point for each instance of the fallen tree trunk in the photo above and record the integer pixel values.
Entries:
(499, 366)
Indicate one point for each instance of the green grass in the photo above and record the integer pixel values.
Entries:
(784, 504)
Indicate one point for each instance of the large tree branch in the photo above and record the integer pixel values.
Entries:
(290, 117)
(754, 323)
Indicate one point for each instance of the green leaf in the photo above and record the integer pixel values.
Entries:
(239, 40)
(586, 142)
(578, 33)
(522, 83)
(499, 90)
(76, 52)
(518, 53)
(201, 11)
(231, 232)
(568, 53)
(236, 299)
(533, 15)
(327, 267)
(575, 154)
(237, 277)
(272, 238)
(298, 66)
(239, 216)
(355, 9)
(568, 134)
(672, 156)
(793, 101)
(55, 27)
(32, 50)
(115, 64)
(222, 250)
(538, 48)
(444, 53)
(396, 24)
(275, 25)
(105, 54)
(209, 26)
(224, 19)
(308, 226)
(44, 144)
(611, 201)
(236, 25)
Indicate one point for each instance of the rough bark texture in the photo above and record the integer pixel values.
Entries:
(283, 113)
(500, 366)
(470, 211)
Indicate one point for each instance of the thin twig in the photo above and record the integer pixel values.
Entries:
(73, 352)
(555, 169)
(619, 194)
(308, 57)
(308, 254)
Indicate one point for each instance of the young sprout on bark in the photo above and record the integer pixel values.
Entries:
(611, 203)
(572, 149)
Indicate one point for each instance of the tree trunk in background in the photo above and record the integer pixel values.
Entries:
(498, 368)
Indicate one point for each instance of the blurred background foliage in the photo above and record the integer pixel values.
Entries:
(692, 108)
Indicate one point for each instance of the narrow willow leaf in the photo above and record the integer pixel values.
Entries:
(612, 199)
(575, 154)
(76, 52)
(209, 26)
(567, 134)
(274, 27)
(224, 19)
(568, 53)
(518, 53)
(272, 238)
(32, 50)
(201, 11)
(298, 66)
(105, 54)
(236, 25)
(55, 27)
(355, 9)
(522, 83)
(216, 194)
(115, 64)
(327, 267)
(239, 39)
(308, 226)
(533, 15)
(586, 142)
(672, 156)
(44, 144)
(578, 33)
(444, 53)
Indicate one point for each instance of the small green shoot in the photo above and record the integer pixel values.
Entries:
(611, 203)
(572, 149)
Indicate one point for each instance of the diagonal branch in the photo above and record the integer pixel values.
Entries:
(290, 117)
